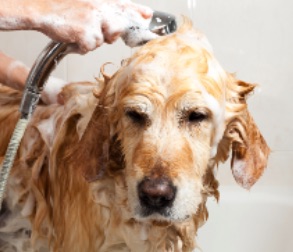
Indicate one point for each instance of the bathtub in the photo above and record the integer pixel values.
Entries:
(260, 220)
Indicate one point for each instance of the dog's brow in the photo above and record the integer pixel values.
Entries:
(140, 106)
(193, 98)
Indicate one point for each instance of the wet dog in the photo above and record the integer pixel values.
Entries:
(127, 164)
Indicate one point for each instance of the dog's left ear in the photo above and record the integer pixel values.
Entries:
(249, 149)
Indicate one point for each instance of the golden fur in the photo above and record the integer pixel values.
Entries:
(80, 162)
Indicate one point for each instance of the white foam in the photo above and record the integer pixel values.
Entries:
(144, 232)
(187, 199)
(218, 111)
(29, 205)
(10, 23)
(134, 28)
(51, 90)
(47, 130)
(239, 172)
(10, 74)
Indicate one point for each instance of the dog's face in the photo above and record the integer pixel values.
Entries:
(176, 114)
(169, 109)
(148, 139)
(168, 126)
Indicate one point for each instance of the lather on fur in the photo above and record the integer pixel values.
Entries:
(127, 164)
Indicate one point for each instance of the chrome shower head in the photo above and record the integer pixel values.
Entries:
(163, 23)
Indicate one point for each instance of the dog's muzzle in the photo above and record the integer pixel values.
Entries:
(156, 195)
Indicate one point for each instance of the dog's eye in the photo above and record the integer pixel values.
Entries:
(195, 117)
(136, 117)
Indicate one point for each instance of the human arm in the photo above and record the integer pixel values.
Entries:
(87, 23)
(13, 73)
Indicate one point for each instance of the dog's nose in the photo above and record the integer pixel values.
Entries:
(156, 193)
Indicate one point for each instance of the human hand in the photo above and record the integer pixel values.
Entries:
(90, 23)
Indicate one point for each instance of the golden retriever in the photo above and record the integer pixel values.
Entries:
(127, 164)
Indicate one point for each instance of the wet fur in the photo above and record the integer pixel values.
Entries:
(72, 176)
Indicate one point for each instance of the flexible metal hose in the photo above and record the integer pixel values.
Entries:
(10, 155)
(44, 65)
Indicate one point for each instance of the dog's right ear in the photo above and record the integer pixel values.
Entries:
(94, 148)
(100, 148)
(93, 151)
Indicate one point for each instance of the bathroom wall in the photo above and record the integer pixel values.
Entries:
(251, 38)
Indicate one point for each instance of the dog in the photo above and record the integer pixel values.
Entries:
(127, 163)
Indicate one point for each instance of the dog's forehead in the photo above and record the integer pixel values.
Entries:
(176, 72)
(179, 63)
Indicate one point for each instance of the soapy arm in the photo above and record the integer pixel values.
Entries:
(86, 23)
(13, 73)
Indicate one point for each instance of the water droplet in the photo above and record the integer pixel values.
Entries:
(191, 4)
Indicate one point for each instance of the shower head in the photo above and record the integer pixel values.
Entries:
(163, 23)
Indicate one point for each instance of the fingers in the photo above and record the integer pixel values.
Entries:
(118, 16)
(110, 34)
(136, 37)
(130, 21)
(112, 28)
(80, 40)
(91, 39)
(92, 23)
(144, 11)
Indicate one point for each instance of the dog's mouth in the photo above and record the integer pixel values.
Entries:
(147, 211)
(159, 214)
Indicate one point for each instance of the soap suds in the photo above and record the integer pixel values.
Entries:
(107, 22)
(240, 174)
(10, 23)
(10, 73)
(218, 120)
(51, 90)
(134, 30)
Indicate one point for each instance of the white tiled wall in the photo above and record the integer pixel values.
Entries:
(253, 38)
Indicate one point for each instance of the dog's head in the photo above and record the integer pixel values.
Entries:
(167, 117)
